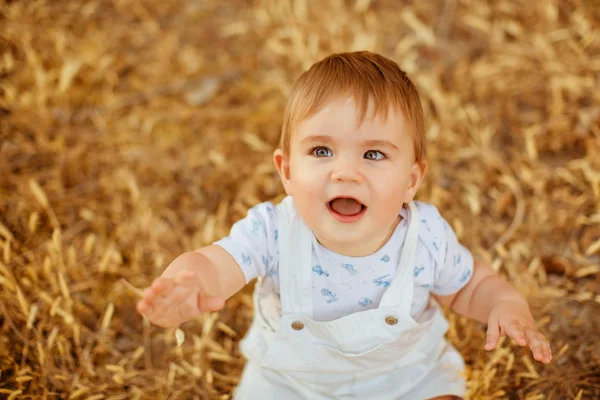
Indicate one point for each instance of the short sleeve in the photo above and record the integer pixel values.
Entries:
(455, 267)
(443, 265)
(252, 242)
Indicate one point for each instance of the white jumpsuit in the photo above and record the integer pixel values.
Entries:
(381, 353)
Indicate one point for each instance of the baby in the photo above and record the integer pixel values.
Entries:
(351, 270)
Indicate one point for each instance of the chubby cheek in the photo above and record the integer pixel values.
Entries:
(307, 192)
(389, 196)
(304, 179)
(307, 189)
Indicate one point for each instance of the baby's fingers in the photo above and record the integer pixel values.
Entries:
(515, 331)
(208, 303)
(493, 334)
(158, 289)
(143, 307)
(539, 345)
(156, 298)
(187, 277)
(162, 287)
(205, 302)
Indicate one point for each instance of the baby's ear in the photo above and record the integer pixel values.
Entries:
(417, 172)
(282, 164)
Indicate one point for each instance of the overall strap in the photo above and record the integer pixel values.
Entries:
(295, 251)
(400, 292)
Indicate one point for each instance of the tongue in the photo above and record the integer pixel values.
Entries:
(346, 206)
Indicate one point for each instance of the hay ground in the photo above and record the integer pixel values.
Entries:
(133, 131)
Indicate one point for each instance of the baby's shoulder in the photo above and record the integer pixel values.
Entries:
(259, 221)
(427, 209)
(432, 229)
(430, 217)
(264, 210)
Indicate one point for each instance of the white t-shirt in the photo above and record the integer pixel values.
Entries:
(343, 284)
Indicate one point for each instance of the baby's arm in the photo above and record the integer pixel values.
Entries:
(201, 280)
(195, 282)
(490, 299)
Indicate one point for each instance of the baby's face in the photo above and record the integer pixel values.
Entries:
(349, 181)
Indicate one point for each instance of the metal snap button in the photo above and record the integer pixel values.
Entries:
(391, 320)
(297, 325)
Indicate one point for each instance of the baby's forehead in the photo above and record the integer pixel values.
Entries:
(345, 111)
(367, 107)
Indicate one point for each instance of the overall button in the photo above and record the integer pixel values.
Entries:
(391, 320)
(297, 325)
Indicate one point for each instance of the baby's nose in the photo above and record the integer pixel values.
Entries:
(346, 171)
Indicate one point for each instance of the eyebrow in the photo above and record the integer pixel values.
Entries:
(367, 143)
(316, 138)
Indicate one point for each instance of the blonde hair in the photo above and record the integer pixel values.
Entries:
(364, 75)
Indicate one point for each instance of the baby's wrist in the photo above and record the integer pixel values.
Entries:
(515, 299)
(189, 261)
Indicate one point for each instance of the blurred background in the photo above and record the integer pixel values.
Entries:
(131, 131)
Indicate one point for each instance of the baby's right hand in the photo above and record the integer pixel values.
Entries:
(169, 302)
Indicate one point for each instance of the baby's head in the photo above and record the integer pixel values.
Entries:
(352, 149)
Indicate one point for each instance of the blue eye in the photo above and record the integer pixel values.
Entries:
(321, 152)
(374, 155)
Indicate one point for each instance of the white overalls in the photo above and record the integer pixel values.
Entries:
(381, 353)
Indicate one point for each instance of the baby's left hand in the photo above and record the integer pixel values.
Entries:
(512, 318)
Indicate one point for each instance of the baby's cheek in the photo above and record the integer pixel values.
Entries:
(306, 183)
(308, 196)
(391, 193)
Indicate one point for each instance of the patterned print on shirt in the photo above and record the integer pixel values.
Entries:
(385, 258)
(255, 227)
(466, 274)
(319, 270)
(246, 259)
(365, 302)
(272, 271)
(457, 259)
(424, 222)
(384, 280)
(266, 260)
(418, 269)
(328, 293)
(350, 268)
(270, 211)
(346, 286)
(276, 234)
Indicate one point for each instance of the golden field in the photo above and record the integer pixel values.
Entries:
(131, 131)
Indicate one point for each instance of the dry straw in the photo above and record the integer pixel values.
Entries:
(133, 131)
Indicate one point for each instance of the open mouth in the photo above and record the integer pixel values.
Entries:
(346, 209)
